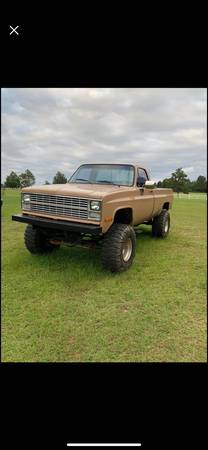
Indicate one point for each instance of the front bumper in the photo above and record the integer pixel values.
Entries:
(59, 224)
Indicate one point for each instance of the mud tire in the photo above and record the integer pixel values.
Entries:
(119, 247)
(161, 224)
(36, 242)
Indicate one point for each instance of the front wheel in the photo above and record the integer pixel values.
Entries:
(36, 241)
(119, 247)
(161, 224)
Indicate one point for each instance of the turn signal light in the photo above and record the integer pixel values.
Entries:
(108, 219)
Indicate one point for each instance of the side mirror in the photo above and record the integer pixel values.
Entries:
(140, 181)
(149, 184)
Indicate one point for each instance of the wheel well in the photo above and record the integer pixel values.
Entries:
(123, 216)
(166, 206)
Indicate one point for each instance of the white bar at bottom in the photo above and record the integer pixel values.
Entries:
(104, 445)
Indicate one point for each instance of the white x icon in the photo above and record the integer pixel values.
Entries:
(14, 30)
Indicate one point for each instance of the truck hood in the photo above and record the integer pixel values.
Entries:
(76, 190)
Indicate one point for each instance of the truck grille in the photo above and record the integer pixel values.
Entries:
(59, 205)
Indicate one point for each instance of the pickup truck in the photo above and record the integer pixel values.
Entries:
(101, 204)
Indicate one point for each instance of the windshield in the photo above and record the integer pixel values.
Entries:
(119, 174)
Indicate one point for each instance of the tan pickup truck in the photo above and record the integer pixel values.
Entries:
(101, 203)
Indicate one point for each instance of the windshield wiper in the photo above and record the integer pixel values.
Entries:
(83, 179)
(106, 181)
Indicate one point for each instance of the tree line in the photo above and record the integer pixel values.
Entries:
(27, 179)
(178, 181)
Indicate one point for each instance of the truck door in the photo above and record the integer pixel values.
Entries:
(145, 198)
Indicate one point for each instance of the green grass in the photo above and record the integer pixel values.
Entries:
(191, 195)
(65, 307)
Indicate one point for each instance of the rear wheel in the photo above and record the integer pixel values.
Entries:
(119, 247)
(36, 241)
(161, 224)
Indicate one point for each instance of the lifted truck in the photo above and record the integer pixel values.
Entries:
(101, 203)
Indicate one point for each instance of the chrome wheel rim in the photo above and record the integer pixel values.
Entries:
(166, 227)
(127, 249)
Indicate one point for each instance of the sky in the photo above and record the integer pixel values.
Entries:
(50, 129)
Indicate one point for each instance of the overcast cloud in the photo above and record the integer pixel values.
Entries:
(46, 130)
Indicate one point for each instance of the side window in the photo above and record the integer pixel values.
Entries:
(141, 177)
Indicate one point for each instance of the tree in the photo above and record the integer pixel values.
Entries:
(189, 185)
(168, 183)
(200, 184)
(27, 178)
(12, 180)
(47, 182)
(59, 178)
(179, 180)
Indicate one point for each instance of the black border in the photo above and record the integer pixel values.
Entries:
(158, 404)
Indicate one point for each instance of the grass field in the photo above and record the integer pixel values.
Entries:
(65, 307)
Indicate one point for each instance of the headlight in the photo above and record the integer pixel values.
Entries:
(25, 201)
(94, 215)
(26, 198)
(95, 205)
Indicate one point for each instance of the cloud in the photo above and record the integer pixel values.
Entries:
(188, 170)
(52, 129)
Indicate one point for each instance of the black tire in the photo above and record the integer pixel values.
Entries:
(161, 224)
(119, 247)
(36, 242)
